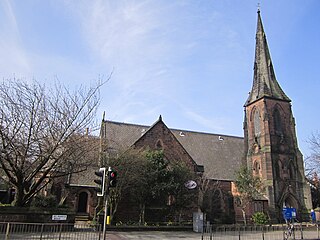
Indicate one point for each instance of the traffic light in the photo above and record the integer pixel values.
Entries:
(112, 178)
(100, 181)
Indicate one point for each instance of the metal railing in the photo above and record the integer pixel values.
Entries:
(49, 231)
(277, 232)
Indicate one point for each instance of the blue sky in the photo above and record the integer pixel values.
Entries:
(190, 61)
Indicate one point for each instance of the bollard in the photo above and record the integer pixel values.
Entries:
(7, 231)
(60, 231)
(41, 231)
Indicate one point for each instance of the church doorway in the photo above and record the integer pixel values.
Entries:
(290, 202)
(82, 202)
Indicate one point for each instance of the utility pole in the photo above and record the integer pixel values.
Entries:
(106, 205)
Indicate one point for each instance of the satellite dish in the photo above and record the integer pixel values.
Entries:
(190, 184)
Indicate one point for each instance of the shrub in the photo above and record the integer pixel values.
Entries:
(260, 218)
(5, 205)
(45, 202)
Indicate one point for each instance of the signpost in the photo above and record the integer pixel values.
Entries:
(59, 217)
(289, 213)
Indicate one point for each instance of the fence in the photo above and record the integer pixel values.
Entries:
(279, 232)
(49, 231)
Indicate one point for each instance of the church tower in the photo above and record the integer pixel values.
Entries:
(271, 148)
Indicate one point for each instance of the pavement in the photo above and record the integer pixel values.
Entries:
(156, 235)
(183, 235)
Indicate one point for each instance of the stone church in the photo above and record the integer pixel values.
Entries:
(269, 147)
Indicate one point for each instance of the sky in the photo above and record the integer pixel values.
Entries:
(190, 61)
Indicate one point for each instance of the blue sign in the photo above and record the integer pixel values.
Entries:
(289, 213)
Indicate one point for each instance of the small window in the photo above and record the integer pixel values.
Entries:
(256, 167)
(258, 206)
(277, 122)
(159, 144)
(292, 172)
(256, 122)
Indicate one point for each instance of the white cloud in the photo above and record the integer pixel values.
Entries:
(152, 46)
(214, 124)
(13, 57)
(130, 37)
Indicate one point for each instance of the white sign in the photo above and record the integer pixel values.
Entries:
(190, 184)
(59, 217)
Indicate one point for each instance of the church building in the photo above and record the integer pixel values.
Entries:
(270, 141)
(269, 148)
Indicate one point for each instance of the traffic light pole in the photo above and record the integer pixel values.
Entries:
(106, 208)
(105, 218)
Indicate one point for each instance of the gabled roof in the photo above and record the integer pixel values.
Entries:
(173, 149)
(264, 80)
(84, 171)
(221, 155)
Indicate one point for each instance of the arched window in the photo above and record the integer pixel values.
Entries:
(291, 169)
(256, 167)
(159, 144)
(258, 206)
(213, 202)
(277, 122)
(278, 169)
(256, 122)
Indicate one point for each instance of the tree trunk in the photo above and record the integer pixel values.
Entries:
(244, 216)
(142, 212)
(19, 198)
(180, 216)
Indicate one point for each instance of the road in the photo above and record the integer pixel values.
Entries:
(156, 235)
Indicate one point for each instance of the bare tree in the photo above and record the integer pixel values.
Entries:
(40, 130)
(209, 196)
(313, 161)
(312, 168)
(249, 187)
(130, 165)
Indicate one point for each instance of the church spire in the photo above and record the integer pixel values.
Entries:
(264, 80)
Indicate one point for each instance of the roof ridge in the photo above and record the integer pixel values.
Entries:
(175, 129)
(125, 123)
(205, 133)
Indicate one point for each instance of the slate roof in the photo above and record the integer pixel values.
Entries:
(220, 155)
(121, 136)
(87, 176)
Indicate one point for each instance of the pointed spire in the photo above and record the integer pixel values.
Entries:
(264, 80)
